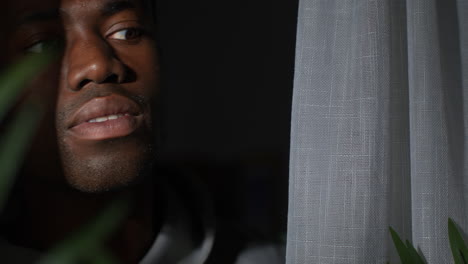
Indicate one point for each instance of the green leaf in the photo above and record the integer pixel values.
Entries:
(415, 257)
(84, 243)
(13, 145)
(17, 136)
(102, 257)
(403, 252)
(13, 80)
(457, 244)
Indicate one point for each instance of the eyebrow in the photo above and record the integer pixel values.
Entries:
(44, 15)
(114, 7)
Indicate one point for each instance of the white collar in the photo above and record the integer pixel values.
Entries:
(174, 244)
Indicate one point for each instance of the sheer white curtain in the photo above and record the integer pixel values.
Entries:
(379, 129)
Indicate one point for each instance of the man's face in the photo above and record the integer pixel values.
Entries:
(107, 81)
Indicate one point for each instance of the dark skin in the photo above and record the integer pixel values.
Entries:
(79, 162)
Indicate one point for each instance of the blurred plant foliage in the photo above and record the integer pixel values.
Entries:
(16, 135)
(409, 255)
(15, 138)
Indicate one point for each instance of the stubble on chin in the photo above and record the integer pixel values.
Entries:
(107, 171)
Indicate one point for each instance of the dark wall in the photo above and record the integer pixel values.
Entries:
(228, 76)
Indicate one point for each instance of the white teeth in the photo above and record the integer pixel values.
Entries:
(101, 119)
(105, 118)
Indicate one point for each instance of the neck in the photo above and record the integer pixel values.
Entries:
(51, 214)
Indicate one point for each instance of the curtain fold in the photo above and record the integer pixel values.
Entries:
(378, 133)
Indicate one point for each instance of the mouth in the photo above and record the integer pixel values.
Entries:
(106, 117)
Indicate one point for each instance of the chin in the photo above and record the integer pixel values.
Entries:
(112, 169)
(97, 178)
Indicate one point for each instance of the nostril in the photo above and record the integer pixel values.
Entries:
(113, 78)
(83, 83)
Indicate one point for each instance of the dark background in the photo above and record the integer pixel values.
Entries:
(228, 76)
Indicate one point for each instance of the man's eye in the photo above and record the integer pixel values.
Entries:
(42, 46)
(39, 47)
(126, 34)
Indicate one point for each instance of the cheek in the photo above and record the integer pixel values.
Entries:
(144, 61)
(3, 55)
(43, 155)
(44, 89)
(46, 85)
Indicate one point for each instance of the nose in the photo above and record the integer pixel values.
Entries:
(92, 61)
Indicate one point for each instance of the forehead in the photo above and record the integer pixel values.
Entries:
(19, 10)
(84, 8)
(18, 7)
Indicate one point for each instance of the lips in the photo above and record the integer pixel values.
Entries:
(106, 117)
